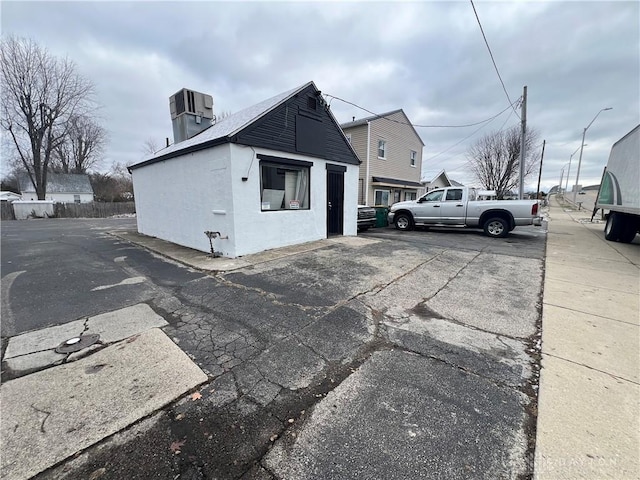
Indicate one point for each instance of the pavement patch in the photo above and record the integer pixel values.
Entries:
(403, 416)
(501, 359)
(495, 293)
(122, 323)
(50, 415)
(44, 339)
(290, 364)
(36, 350)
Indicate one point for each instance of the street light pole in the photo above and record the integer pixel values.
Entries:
(561, 178)
(566, 186)
(584, 132)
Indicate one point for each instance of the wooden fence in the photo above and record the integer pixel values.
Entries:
(6, 211)
(80, 210)
(93, 209)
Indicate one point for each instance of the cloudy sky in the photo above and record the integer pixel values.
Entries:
(428, 58)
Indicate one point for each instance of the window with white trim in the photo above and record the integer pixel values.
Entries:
(381, 197)
(382, 149)
(412, 157)
(284, 187)
(409, 196)
(76, 199)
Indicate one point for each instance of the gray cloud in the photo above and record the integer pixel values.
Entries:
(428, 58)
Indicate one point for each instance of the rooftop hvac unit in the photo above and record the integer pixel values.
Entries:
(194, 103)
(191, 113)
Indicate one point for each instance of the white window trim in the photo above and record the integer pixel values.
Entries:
(381, 190)
(384, 149)
(413, 161)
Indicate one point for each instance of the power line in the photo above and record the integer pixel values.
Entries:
(418, 125)
(491, 55)
(472, 134)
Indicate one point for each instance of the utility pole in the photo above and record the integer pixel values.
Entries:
(522, 141)
(540, 173)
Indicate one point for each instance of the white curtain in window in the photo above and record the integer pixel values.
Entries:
(302, 189)
(296, 187)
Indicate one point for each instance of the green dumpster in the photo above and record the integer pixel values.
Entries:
(381, 216)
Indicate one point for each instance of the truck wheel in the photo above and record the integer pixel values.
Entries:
(404, 221)
(496, 227)
(613, 227)
(629, 230)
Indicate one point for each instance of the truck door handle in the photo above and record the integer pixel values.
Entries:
(460, 205)
(436, 206)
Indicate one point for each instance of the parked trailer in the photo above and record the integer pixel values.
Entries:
(620, 189)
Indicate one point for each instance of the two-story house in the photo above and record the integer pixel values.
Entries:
(390, 150)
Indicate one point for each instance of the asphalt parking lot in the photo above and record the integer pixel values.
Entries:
(390, 355)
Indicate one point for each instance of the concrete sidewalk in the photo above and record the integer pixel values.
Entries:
(588, 409)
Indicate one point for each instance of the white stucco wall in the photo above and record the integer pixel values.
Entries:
(181, 198)
(275, 229)
(214, 197)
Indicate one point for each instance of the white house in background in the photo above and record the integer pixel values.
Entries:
(440, 180)
(61, 187)
(275, 174)
(9, 196)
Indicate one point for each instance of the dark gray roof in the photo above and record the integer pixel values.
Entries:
(59, 183)
(395, 181)
(455, 184)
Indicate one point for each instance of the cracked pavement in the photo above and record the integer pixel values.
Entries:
(394, 355)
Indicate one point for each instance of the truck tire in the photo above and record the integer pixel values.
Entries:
(496, 227)
(628, 232)
(404, 222)
(614, 226)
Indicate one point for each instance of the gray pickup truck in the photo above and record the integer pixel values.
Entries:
(459, 206)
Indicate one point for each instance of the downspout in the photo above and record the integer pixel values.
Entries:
(366, 183)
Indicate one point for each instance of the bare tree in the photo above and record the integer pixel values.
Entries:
(114, 186)
(150, 146)
(81, 148)
(40, 95)
(495, 159)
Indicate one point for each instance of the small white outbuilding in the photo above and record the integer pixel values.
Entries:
(278, 173)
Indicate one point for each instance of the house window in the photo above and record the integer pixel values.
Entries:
(396, 196)
(413, 158)
(348, 135)
(409, 195)
(382, 149)
(76, 199)
(284, 187)
(381, 197)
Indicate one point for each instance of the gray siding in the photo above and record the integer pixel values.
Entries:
(400, 139)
